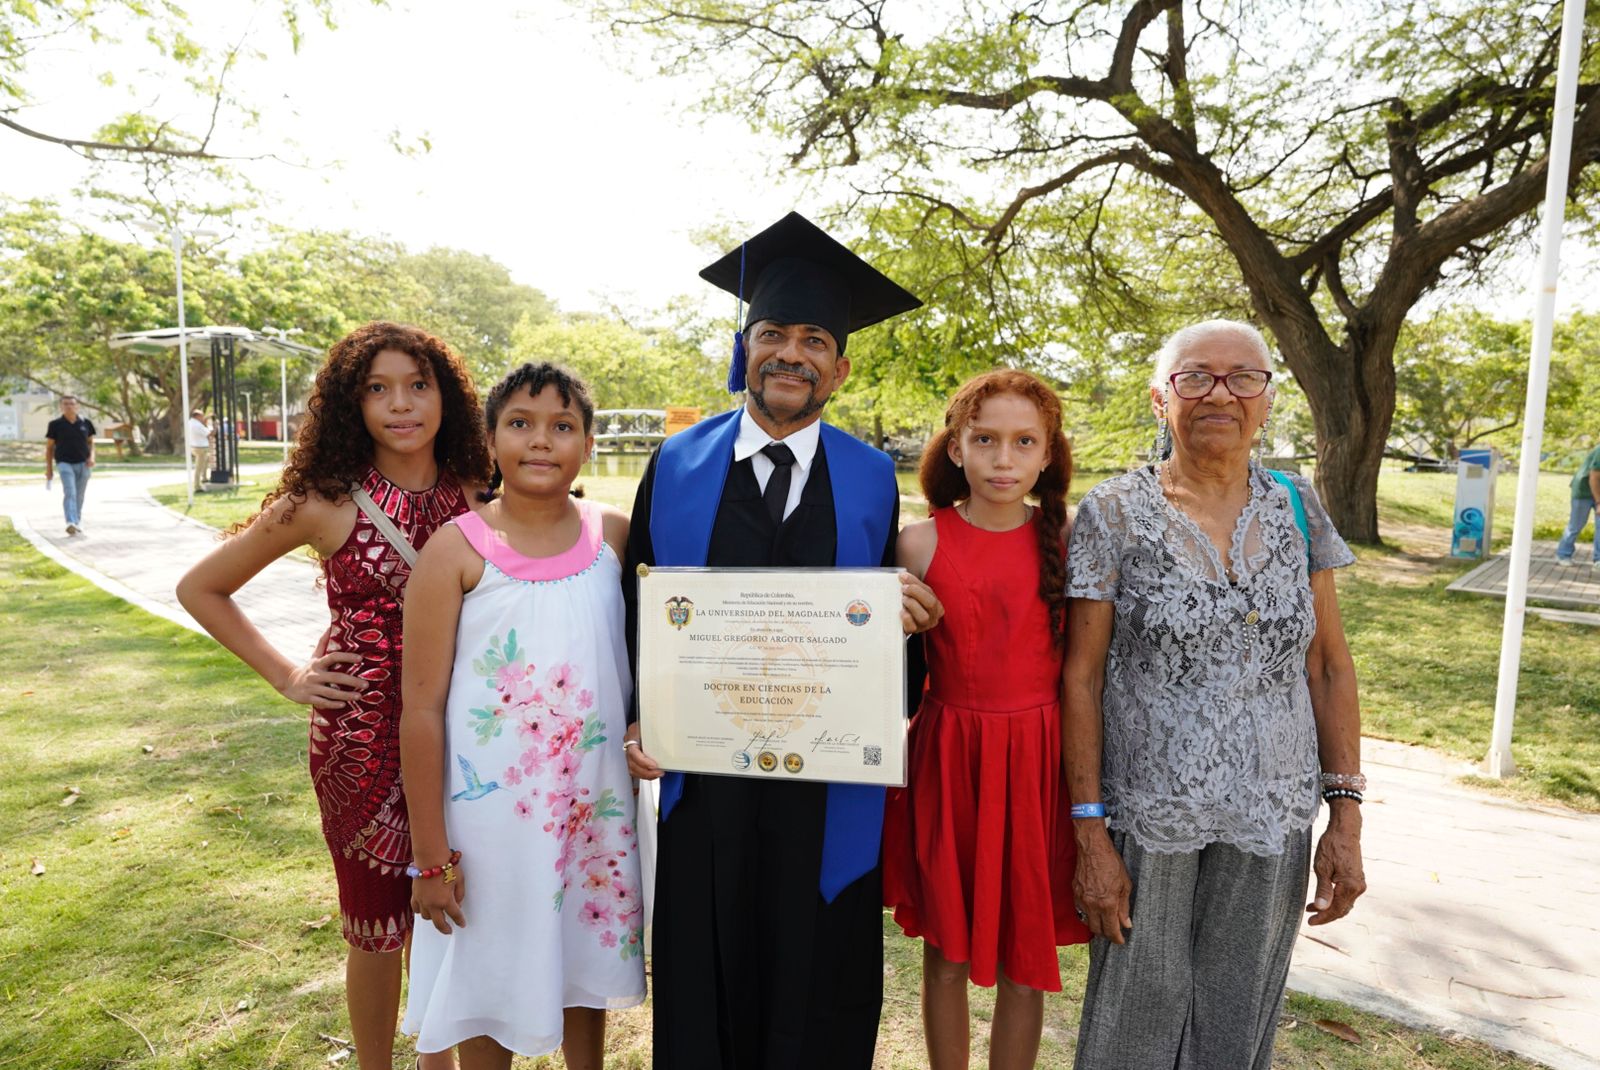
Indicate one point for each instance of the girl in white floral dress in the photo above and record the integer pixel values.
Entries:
(516, 682)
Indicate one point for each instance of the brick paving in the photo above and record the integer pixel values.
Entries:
(1482, 918)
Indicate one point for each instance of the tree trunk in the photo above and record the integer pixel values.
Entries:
(1352, 405)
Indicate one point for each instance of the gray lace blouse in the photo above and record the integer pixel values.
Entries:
(1209, 735)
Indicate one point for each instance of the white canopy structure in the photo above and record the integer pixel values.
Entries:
(224, 346)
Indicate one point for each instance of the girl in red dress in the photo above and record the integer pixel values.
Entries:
(393, 413)
(978, 850)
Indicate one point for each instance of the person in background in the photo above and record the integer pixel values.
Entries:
(69, 446)
(198, 435)
(1585, 492)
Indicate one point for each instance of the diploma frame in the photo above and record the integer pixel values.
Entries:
(777, 674)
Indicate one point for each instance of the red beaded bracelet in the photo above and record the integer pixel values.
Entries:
(447, 870)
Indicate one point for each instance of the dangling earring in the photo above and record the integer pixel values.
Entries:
(1261, 443)
(1163, 436)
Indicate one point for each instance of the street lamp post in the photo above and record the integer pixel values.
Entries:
(283, 385)
(246, 394)
(175, 239)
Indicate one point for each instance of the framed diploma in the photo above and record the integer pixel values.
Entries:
(792, 674)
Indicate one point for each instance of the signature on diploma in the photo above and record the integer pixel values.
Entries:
(765, 741)
(823, 739)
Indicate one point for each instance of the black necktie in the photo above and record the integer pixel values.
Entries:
(777, 492)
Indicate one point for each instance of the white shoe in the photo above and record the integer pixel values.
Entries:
(1565, 562)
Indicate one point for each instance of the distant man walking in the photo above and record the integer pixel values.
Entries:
(1585, 492)
(198, 435)
(69, 446)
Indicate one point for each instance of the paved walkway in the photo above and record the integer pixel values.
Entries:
(137, 550)
(1483, 916)
(1577, 586)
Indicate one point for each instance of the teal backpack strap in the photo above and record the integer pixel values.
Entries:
(1295, 501)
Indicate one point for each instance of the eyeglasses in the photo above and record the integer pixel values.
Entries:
(1244, 383)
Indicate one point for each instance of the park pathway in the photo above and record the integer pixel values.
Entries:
(1482, 918)
(138, 550)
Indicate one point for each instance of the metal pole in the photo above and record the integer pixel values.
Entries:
(1499, 763)
(283, 406)
(176, 237)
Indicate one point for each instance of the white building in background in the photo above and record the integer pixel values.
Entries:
(25, 411)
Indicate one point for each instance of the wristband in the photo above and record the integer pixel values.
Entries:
(447, 870)
(1094, 809)
(1352, 781)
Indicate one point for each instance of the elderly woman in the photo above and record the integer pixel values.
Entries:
(1210, 701)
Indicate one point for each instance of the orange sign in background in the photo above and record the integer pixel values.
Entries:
(681, 418)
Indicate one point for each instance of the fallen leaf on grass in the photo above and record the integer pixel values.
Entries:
(70, 799)
(125, 830)
(245, 1004)
(1338, 1029)
(339, 1056)
(234, 810)
(319, 923)
(38, 868)
(148, 749)
(25, 694)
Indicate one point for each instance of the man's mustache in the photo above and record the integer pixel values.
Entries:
(778, 367)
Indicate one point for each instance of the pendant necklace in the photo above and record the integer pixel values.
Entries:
(1252, 617)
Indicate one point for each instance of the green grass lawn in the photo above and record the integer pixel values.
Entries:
(182, 916)
(27, 456)
(219, 508)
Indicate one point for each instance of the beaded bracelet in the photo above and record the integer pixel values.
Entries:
(448, 870)
(1353, 781)
(1341, 793)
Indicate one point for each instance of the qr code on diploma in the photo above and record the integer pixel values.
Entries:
(871, 755)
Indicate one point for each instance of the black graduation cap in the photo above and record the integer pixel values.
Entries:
(793, 272)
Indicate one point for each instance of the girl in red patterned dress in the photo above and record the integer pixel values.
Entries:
(978, 850)
(393, 413)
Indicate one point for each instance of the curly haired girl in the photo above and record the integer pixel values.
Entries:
(977, 847)
(392, 447)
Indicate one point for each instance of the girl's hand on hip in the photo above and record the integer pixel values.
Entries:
(640, 764)
(318, 683)
(434, 900)
(1102, 889)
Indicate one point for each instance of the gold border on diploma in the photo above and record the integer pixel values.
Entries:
(791, 674)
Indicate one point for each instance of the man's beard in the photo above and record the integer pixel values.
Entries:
(812, 406)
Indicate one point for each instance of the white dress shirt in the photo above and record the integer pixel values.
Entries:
(803, 443)
(199, 434)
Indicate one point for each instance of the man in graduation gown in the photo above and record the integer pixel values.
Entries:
(768, 932)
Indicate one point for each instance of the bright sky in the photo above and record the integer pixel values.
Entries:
(587, 178)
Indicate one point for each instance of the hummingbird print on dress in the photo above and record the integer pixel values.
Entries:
(476, 788)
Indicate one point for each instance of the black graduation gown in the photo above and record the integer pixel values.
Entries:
(752, 969)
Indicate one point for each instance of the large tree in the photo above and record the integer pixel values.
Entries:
(1347, 158)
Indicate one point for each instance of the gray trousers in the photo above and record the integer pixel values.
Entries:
(1199, 983)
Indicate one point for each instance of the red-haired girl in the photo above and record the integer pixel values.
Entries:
(392, 447)
(978, 852)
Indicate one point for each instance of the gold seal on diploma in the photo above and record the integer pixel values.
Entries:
(767, 761)
(793, 762)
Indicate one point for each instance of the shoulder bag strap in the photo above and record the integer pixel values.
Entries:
(1295, 501)
(385, 526)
